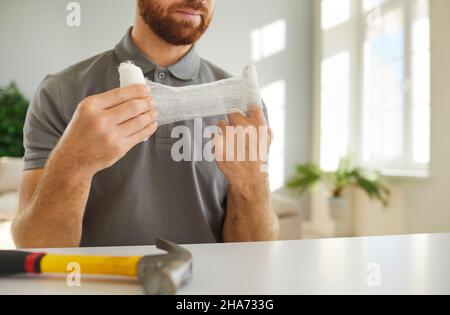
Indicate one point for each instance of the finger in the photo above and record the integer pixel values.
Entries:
(138, 123)
(121, 95)
(237, 119)
(229, 136)
(218, 141)
(222, 126)
(256, 115)
(142, 135)
(271, 136)
(130, 109)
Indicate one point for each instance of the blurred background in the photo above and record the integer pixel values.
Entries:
(357, 92)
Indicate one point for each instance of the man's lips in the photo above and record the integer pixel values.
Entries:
(189, 14)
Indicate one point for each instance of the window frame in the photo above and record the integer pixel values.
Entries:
(358, 18)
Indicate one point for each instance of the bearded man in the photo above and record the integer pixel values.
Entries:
(90, 179)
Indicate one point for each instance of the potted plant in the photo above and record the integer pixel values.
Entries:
(346, 176)
(13, 109)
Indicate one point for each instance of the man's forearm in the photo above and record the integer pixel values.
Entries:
(250, 216)
(54, 215)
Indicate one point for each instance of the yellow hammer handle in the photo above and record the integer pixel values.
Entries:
(117, 266)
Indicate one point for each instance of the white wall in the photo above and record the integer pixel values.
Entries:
(36, 41)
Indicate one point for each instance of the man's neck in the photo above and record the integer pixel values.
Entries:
(160, 52)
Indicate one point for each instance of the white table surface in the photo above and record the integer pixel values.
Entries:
(415, 264)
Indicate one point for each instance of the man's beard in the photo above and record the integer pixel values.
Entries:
(170, 30)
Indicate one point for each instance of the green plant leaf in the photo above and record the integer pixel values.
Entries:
(309, 175)
(13, 110)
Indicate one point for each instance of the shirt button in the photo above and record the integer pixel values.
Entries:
(162, 75)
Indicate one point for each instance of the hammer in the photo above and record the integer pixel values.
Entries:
(159, 274)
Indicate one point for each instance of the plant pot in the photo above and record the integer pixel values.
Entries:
(341, 213)
(338, 208)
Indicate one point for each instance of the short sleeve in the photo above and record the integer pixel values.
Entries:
(44, 124)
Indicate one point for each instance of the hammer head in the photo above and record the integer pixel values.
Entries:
(165, 274)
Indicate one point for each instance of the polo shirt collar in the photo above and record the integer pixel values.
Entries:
(187, 68)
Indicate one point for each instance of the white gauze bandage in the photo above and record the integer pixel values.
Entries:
(175, 104)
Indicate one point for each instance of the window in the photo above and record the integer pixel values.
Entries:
(335, 109)
(375, 85)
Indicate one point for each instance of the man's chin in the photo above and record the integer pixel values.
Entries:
(188, 34)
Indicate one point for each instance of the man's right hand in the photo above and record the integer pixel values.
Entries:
(105, 127)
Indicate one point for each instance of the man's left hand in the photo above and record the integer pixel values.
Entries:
(242, 148)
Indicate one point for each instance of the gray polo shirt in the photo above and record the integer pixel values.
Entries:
(146, 194)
